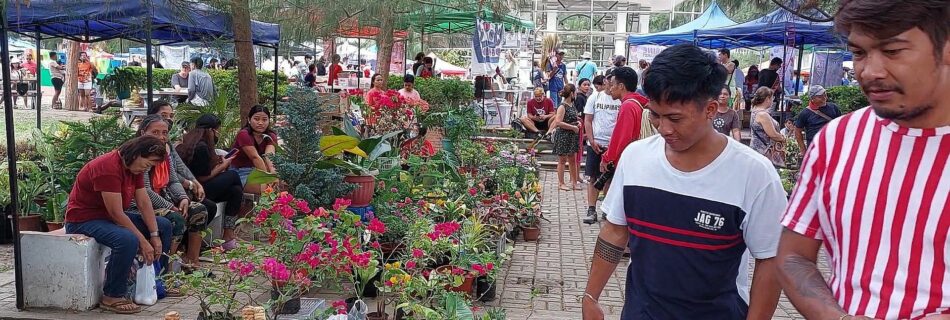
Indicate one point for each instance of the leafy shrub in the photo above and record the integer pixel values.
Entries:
(80, 142)
(225, 83)
(441, 94)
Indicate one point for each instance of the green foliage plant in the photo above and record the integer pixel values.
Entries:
(76, 143)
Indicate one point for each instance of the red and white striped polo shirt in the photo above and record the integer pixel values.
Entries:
(876, 194)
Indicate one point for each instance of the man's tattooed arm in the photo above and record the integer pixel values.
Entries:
(608, 251)
(803, 283)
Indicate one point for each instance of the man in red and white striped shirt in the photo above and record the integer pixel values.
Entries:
(874, 184)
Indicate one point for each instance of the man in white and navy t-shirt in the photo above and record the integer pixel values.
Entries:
(600, 113)
(874, 183)
(688, 202)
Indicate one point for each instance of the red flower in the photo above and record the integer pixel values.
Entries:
(375, 245)
(410, 264)
(340, 306)
(341, 203)
(417, 253)
(376, 226)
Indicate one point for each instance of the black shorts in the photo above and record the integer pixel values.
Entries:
(22, 88)
(58, 84)
(541, 125)
(592, 164)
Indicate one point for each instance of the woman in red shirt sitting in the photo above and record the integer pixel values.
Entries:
(103, 191)
(255, 143)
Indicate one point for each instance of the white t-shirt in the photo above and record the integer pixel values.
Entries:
(605, 110)
(698, 222)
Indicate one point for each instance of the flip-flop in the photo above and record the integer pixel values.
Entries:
(565, 188)
(117, 307)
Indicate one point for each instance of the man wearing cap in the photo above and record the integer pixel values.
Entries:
(556, 78)
(585, 69)
(180, 80)
(815, 117)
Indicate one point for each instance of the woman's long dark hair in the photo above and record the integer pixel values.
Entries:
(189, 142)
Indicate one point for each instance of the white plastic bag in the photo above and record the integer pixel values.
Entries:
(358, 311)
(145, 293)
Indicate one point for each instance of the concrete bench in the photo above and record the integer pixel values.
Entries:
(64, 271)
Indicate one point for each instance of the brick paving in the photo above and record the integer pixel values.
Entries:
(544, 280)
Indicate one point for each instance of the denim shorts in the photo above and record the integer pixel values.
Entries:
(243, 173)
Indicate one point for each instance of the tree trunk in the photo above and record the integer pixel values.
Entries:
(71, 83)
(244, 49)
(385, 41)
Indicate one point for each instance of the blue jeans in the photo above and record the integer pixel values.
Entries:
(243, 173)
(124, 245)
(555, 97)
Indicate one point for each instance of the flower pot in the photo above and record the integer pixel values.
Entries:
(377, 316)
(403, 315)
(531, 233)
(371, 290)
(365, 187)
(51, 226)
(484, 289)
(389, 249)
(30, 222)
(513, 234)
(465, 287)
(292, 306)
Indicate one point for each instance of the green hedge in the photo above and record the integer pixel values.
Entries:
(848, 98)
(442, 95)
(225, 83)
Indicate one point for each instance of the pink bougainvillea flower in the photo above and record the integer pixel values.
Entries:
(410, 264)
(275, 270)
(284, 198)
(320, 212)
(376, 226)
(490, 266)
(340, 204)
(418, 253)
(472, 191)
(375, 245)
(303, 206)
(339, 306)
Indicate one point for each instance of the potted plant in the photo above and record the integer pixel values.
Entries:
(55, 213)
(527, 207)
(30, 187)
(119, 83)
(218, 296)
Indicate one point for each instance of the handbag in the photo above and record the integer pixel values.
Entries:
(775, 151)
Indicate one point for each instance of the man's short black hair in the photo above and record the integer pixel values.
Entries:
(598, 80)
(627, 77)
(684, 73)
(775, 61)
(197, 62)
(725, 52)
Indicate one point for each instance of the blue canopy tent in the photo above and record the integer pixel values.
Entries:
(713, 17)
(151, 22)
(778, 27)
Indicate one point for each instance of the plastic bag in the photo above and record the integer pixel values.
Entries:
(358, 311)
(145, 293)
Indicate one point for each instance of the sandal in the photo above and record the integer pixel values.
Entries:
(565, 188)
(121, 307)
(173, 292)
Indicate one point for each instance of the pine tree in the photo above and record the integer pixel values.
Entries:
(297, 158)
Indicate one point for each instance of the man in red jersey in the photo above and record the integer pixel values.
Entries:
(874, 184)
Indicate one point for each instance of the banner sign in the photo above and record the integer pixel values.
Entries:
(487, 41)
(827, 69)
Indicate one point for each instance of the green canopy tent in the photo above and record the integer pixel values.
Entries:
(453, 21)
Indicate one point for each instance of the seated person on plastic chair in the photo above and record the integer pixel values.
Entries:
(540, 113)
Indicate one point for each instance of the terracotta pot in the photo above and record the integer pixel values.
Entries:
(388, 248)
(52, 226)
(531, 233)
(465, 287)
(31, 222)
(365, 187)
(377, 316)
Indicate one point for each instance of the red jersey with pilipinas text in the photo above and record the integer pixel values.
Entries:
(876, 195)
(627, 129)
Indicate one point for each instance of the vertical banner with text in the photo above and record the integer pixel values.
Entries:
(487, 40)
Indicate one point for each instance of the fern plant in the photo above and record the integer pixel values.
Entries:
(298, 160)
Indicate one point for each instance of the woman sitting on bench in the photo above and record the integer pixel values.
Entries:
(198, 153)
(169, 198)
(97, 206)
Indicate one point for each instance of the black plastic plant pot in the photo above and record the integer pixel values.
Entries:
(485, 289)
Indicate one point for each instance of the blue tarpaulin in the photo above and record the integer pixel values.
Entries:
(713, 17)
(777, 28)
(170, 21)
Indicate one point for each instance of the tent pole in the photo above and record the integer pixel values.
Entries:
(801, 53)
(148, 56)
(275, 79)
(39, 73)
(11, 159)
